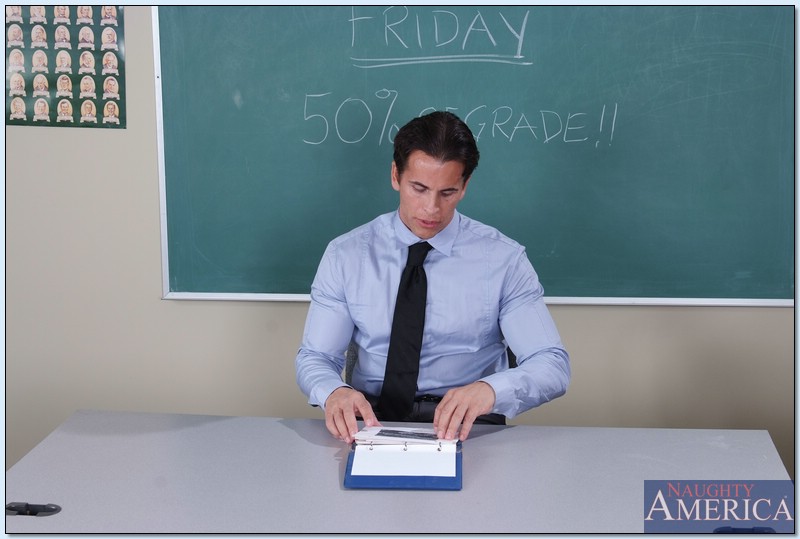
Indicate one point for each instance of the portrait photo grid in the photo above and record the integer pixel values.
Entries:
(65, 66)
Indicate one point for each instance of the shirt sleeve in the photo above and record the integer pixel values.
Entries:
(543, 369)
(328, 330)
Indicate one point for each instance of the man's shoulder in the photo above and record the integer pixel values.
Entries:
(364, 233)
(479, 231)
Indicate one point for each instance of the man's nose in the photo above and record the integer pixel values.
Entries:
(432, 203)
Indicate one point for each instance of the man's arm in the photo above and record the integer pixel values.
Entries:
(543, 370)
(319, 377)
(320, 360)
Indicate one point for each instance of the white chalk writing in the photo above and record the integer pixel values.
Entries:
(350, 120)
(405, 37)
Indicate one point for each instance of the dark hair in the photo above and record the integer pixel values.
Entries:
(441, 135)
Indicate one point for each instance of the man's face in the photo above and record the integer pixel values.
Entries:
(429, 191)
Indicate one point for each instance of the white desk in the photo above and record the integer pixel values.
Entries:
(136, 472)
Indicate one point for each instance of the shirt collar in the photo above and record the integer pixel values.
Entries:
(442, 242)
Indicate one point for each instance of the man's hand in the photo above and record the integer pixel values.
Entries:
(462, 405)
(341, 409)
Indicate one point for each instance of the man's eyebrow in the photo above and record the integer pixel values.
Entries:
(423, 186)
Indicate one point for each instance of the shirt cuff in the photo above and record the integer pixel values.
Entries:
(323, 390)
(504, 402)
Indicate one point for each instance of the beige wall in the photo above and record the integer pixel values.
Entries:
(86, 327)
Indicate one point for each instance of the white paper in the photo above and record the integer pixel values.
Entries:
(411, 460)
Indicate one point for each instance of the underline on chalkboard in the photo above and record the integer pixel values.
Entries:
(390, 62)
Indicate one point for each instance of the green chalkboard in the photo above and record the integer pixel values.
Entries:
(637, 152)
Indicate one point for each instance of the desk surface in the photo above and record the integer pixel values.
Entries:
(138, 472)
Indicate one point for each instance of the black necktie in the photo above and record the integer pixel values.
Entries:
(405, 343)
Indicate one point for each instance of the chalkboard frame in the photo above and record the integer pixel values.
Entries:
(168, 293)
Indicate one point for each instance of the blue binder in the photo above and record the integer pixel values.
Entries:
(403, 482)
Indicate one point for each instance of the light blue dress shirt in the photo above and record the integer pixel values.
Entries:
(483, 293)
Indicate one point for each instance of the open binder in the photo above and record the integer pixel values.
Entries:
(403, 458)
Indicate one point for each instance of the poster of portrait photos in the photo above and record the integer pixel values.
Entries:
(65, 66)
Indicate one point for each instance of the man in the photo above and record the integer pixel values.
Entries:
(84, 14)
(63, 62)
(482, 296)
(110, 88)
(88, 111)
(110, 111)
(62, 34)
(41, 110)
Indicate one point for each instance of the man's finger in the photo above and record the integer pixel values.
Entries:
(455, 422)
(349, 426)
(447, 418)
(367, 414)
(466, 425)
(334, 422)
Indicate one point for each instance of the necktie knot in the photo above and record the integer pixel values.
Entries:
(417, 253)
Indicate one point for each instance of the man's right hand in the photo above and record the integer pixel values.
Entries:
(341, 409)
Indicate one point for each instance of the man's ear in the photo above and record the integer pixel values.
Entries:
(395, 177)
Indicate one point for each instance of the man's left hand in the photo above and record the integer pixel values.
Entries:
(461, 406)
